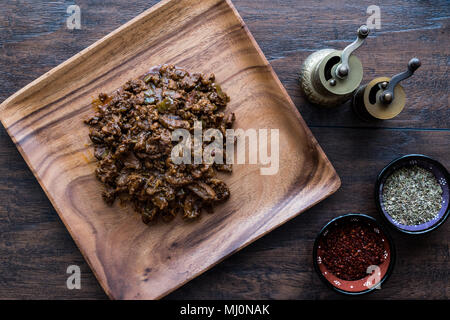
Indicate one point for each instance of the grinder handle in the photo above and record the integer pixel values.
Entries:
(388, 95)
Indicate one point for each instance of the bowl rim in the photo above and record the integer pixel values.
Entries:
(378, 225)
(377, 193)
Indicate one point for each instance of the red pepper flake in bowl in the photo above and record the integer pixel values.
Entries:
(348, 249)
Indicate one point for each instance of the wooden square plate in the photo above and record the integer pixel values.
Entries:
(130, 259)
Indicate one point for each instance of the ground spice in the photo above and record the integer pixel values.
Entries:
(412, 196)
(349, 249)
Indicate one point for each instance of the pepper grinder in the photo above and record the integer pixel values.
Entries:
(329, 77)
(383, 98)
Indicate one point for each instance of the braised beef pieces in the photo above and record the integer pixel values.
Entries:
(132, 136)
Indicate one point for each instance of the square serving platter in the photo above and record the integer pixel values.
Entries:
(130, 259)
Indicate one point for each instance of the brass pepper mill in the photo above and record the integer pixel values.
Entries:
(383, 98)
(329, 77)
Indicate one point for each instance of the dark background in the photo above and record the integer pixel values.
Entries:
(36, 249)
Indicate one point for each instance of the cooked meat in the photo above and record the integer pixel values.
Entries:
(131, 131)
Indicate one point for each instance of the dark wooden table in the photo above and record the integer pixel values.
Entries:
(36, 249)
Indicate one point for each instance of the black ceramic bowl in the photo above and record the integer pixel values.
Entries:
(442, 177)
(370, 282)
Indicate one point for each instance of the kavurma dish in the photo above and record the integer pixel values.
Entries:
(132, 136)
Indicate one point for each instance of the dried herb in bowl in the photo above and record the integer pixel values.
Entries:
(412, 196)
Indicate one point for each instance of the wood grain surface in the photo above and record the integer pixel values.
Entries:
(130, 259)
(36, 249)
